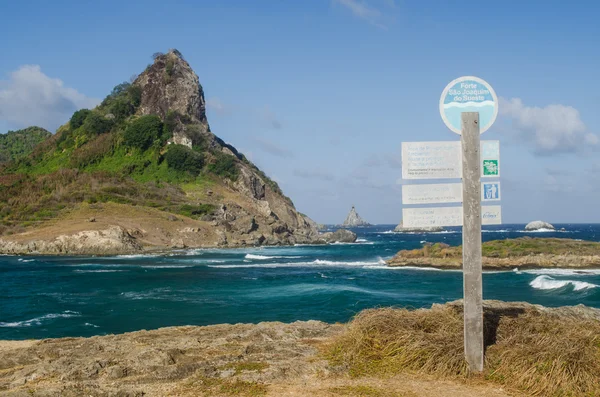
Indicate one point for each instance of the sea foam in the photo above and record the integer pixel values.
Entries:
(39, 320)
(548, 283)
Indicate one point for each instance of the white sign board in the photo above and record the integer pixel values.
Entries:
(432, 217)
(432, 193)
(431, 160)
(491, 215)
(447, 216)
(443, 160)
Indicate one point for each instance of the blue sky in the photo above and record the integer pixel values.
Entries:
(321, 93)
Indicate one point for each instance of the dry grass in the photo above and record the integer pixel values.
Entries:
(539, 354)
(204, 386)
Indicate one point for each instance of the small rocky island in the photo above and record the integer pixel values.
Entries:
(522, 253)
(538, 225)
(354, 220)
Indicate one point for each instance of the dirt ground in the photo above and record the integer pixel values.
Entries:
(266, 359)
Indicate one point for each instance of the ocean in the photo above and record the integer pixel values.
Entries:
(47, 297)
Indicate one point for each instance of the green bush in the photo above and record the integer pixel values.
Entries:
(224, 166)
(135, 94)
(143, 131)
(182, 158)
(195, 210)
(79, 117)
(95, 123)
(122, 108)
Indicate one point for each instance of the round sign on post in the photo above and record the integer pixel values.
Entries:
(468, 94)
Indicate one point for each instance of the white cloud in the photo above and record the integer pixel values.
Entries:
(366, 11)
(551, 129)
(29, 97)
(272, 148)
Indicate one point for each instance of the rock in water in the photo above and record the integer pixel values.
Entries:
(539, 225)
(353, 219)
(401, 229)
(339, 236)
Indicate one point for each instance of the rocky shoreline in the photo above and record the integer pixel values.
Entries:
(265, 359)
(522, 253)
(103, 231)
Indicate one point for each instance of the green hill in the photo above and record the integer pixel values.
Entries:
(20, 143)
(149, 144)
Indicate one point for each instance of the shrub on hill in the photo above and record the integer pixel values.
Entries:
(78, 118)
(96, 123)
(143, 131)
(18, 144)
(224, 166)
(182, 158)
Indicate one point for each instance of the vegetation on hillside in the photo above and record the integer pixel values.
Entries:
(20, 143)
(510, 248)
(110, 153)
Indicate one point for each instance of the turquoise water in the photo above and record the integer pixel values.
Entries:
(82, 296)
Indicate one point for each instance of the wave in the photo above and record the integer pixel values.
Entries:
(25, 260)
(267, 257)
(496, 231)
(135, 256)
(99, 271)
(316, 262)
(468, 104)
(91, 325)
(562, 272)
(544, 282)
(167, 267)
(39, 320)
(362, 240)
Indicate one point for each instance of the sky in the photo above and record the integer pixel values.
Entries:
(320, 94)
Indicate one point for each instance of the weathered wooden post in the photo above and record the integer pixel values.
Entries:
(468, 107)
(472, 278)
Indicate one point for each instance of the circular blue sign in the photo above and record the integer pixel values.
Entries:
(468, 94)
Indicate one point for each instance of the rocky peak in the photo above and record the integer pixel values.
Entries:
(171, 84)
(353, 219)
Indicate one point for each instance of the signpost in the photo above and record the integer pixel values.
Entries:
(468, 106)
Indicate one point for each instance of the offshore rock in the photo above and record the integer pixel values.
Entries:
(539, 225)
(353, 219)
(339, 236)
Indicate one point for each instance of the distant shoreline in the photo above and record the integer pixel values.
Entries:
(523, 253)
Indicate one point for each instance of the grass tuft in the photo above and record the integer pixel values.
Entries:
(541, 354)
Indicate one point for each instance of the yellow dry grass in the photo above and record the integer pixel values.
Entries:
(539, 354)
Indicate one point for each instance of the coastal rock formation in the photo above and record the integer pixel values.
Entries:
(339, 236)
(354, 220)
(111, 241)
(225, 197)
(401, 229)
(539, 225)
(521, 253)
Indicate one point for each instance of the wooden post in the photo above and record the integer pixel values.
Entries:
(472, 283)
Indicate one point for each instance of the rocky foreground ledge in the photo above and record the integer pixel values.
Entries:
(522, 253)
(299, 359)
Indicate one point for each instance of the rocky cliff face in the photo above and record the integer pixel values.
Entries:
(170, 85)
(353, 219)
